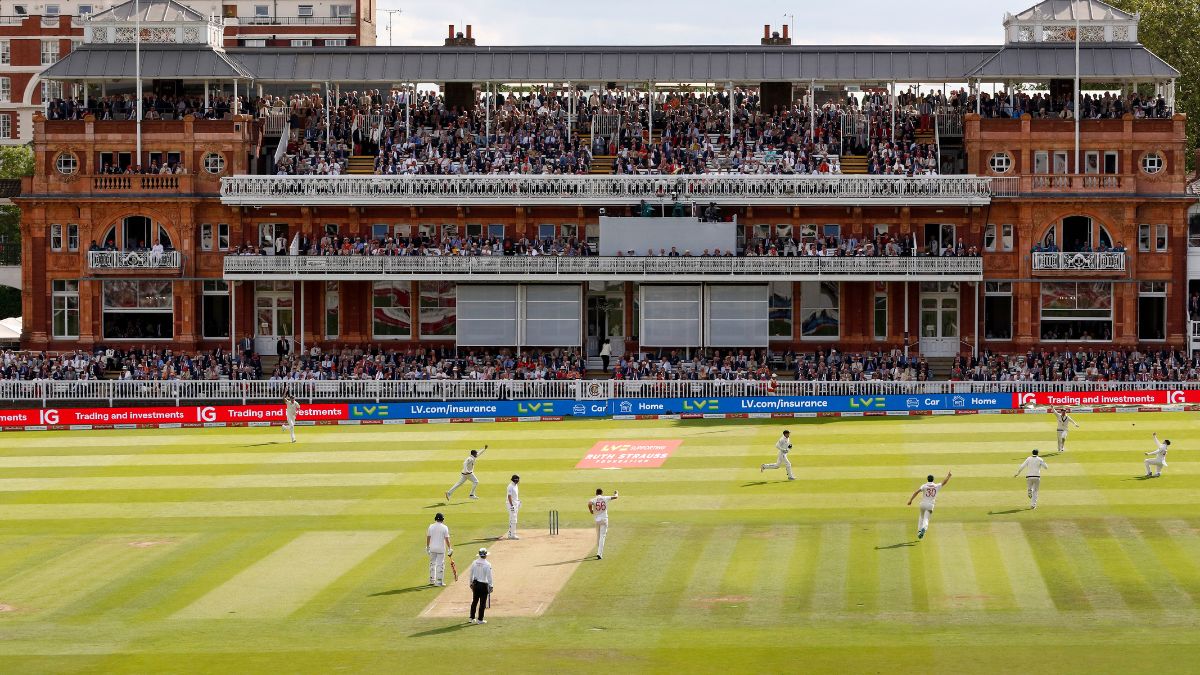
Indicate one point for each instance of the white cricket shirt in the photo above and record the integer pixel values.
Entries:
(513, 498)
(929, 493)
(1034, 465)
(599, 506)
(438, 534)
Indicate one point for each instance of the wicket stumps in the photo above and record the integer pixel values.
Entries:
(553, 522)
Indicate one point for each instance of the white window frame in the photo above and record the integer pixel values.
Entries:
(222, 236)
(262, 11)
(1041, 162)
(306, 42)
(5, 125)
(336, 42)
(56, 237)
(49, 51)
(1152, 289)
(86, 10)
(1091, 162)
(1144, 240)
(5, 53)
(255, 42)
(304, 11)
(1060, 160)
(206, 237)
(1153, 162)
(213, 288)
(1116, 162)
(72, 236)
(341, 11)
(62, 291)
(1000, 162)
(214, 160)
(999, 289)
(1162, 237)
(66, 163)
(990, 235)
(1007, 238)
(5, 90)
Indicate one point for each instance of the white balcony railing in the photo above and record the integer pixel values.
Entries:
(601, 190)
(497, 268)
(1065, 262)
(133, 260)
(231, 391)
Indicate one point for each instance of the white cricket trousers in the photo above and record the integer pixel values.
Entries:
(462, 479)
(923, 518)
(782, 461)
(291, 427)
(1034, 483)
(601, 533)
(1062, 441)
(512, 520)
(1155, 463)
(437, 567)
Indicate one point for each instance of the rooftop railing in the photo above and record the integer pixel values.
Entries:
(606, 190)
(497, 268)
(110, 391)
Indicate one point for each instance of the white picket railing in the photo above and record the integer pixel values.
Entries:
(572, 189)
(47, 391)
(1108, 262)
(499, 267)
(131, 260)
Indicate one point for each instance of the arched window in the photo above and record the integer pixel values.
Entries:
(136, 233)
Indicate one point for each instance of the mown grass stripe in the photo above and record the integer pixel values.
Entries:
(893, 562)
(960, 590)
(799, 589)
(990, 575)
(387, 585)
(862, 581)
(1176, 544)
(772, 581)
(658, 554)
(282, 582)
(744, 570)
(1026, 584)
(701, 594)
(1096, 586)
(829, 578)
(1152, 570)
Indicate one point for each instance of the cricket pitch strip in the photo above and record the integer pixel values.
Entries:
(529, 572)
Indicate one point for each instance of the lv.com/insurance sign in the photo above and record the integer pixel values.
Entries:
(809, 404)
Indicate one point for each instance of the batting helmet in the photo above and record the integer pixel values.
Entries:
(483, 553)
(439, 517)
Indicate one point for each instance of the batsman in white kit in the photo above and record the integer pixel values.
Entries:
(1032, 467)
(929, 492)
(468, 473)
(291, 409)
(598, 507)
(437, 545)
(1159, 459)
(784, 446)
(513, 501)
(1063, 420)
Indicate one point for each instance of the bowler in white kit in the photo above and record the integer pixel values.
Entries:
(1063, 420)
(291, 410)
(929, 492)
(1158, 460)
(783, 446)
(598, 507)
(1032, 467)
(468, 473)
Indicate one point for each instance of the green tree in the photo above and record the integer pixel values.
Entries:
(16, 161)
(1169, 28)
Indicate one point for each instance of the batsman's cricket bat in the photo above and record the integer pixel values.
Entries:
(489, 599)
(453, 569)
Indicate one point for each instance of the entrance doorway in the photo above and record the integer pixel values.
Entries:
(938, 237)
(939, 318)
(274, 312)
(606, 317)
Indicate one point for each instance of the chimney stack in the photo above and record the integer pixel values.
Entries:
(774, 39)
(460, 39)
(450, 32)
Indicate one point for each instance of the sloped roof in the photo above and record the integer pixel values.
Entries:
(165, 61)
(1056, 60)
(1070, 10)
(151, 11)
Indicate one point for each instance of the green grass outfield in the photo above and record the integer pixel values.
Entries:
(109, 540)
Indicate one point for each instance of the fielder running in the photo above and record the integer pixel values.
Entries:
(1032, 467)
(598, 507)
(1063, 420)
(468, 473)
(1159, 459)
(437, 545)
(784, 446)
(514, 506)
(291, 409)
(929, 492)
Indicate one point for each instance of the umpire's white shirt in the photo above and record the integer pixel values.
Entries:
(438, 534)
(481, 570)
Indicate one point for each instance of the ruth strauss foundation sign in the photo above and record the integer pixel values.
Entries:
(628, 454)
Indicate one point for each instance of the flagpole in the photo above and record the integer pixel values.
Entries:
(1077, 91)
(137, 51)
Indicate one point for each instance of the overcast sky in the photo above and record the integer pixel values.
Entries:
(671, 22)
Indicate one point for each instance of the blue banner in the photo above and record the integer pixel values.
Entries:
(466, 409)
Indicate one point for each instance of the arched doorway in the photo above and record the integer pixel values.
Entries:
(136, 233)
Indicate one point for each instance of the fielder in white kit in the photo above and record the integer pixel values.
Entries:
(1063, 420)
(929, 492)
(1159, 459)
(468, 473)
(514, 506)
(1032, 467)
(437, 545)
(784, 446)
(291, 409)
(598, 507)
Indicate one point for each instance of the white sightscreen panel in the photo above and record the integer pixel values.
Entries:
(553, 315)
(737, 316)
(670, 316)
(487, 315)
(655, 234)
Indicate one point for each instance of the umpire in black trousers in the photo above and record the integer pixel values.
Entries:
(480, 576)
